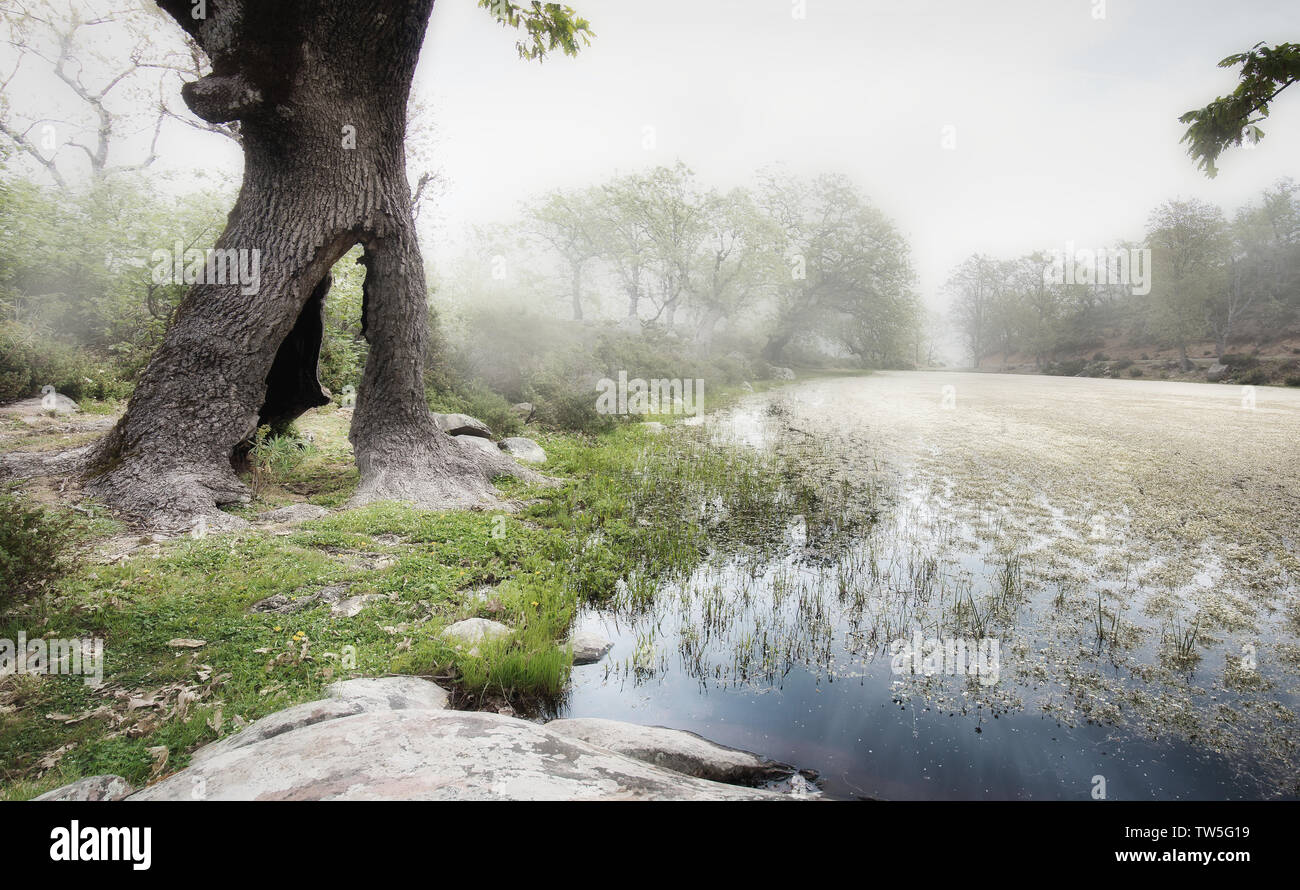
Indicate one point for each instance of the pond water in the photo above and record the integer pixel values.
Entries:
(1101, 573)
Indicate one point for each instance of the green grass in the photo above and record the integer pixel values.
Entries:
(631, 507)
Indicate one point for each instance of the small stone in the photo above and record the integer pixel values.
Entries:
(352, 606)
(523, 449)
(589, 647)
(475, 630)
(275, 603)
(186, 643)
(332, 593)
(284, 605)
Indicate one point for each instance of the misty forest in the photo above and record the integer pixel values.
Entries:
(469, 370)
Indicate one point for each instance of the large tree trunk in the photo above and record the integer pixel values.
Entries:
(320, 89)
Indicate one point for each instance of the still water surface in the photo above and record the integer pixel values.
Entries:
(1157, 657)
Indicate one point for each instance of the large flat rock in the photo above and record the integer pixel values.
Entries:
(425, 754)
(346, 699)
(674, 749)
(392, 738)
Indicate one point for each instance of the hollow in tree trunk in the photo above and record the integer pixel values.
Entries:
(320, 89)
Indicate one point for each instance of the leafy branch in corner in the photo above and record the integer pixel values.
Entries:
(1231, 120)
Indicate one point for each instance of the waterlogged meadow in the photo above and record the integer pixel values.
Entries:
(1001, 587)
(918, 585)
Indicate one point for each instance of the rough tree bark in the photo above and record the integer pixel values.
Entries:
(307, 80)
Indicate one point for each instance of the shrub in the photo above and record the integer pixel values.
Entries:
(29, 361)
(566, 398)
(1135, 371)
(1068, 368)
(33, 542)
(477, 401)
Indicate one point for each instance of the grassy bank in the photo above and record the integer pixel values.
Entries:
(188, 659)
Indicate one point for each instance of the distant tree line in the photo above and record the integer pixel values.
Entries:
(1212, 278)
(784, 263)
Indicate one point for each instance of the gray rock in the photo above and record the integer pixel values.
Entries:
(795, 786)
(524, 449)
(91, 788)
(462, 425)
(352, 606)
(272, 725)
(476, 442)
(279, 602)
(334, 592)
(393, 693)
(475, 630)
(423, 754)
(782, 374)
(589, 647)
(653, 426)
(346, 698)
(524, 410)
(37, 406)
(284, 605)
(674, 749)
(747, 386)
(1217, 372)
(293, 513)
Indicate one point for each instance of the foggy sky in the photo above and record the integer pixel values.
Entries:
(1065, 125)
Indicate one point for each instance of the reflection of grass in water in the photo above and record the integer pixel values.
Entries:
(1082, 574)
(1004, 542)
